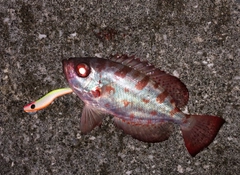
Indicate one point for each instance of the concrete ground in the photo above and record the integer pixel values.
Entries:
(198, 41)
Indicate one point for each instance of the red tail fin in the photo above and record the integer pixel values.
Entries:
(199, 131)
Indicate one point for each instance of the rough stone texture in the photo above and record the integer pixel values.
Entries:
(196, 40)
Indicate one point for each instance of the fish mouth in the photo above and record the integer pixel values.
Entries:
(65, 65)
(68, 68)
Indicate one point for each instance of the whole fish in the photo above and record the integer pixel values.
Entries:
(144, 100)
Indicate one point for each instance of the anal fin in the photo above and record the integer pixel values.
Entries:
(90, 119)
(156, 132)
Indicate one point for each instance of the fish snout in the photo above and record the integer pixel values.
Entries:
(64, 63)
(68, 68)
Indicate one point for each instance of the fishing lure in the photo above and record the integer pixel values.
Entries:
(46, 100)
(144, 100)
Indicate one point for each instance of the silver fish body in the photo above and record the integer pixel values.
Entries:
(144, 100)
(124, 92)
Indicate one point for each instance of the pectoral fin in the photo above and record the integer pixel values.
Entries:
(156, 132)
(90, 119)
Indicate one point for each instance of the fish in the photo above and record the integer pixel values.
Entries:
(46, 100)
(144, 101)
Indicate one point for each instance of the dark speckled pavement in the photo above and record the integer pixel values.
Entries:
(198, 41)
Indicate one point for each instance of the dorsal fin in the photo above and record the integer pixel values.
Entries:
(171, 84)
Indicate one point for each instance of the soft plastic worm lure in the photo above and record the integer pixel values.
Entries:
(46, 100)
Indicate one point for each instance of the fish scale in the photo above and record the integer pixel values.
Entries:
(144, 100)
(135, 96)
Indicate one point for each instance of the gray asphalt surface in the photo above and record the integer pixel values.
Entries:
(198, 41)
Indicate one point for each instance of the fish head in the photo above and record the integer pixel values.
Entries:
(81, 75)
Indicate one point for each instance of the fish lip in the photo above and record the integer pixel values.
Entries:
(68, 69)
(65, 65)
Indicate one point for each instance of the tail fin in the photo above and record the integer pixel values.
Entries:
(199, 131)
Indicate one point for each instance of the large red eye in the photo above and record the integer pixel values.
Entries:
(83, 70)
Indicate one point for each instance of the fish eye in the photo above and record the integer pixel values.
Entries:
(83, 70)
(32, 106)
